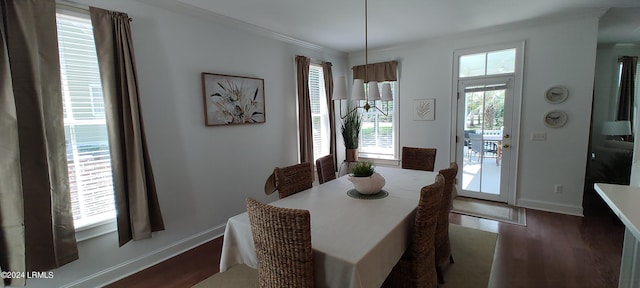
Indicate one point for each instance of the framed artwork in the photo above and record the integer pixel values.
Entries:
(230, 100)
(425, 109)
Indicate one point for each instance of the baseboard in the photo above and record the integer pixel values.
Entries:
(122, 270)
(550, 207)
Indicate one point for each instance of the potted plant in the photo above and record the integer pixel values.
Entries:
(351, 135)
(365, 179)
(362, 169)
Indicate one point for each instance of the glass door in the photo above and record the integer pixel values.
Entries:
(484, 109)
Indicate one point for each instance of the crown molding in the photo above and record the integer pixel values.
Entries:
(208, 15)
(551, 19)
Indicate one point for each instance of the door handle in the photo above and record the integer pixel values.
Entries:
(505, 146)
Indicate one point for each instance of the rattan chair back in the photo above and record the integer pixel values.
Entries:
(293, 179)
(326, 168)
(443, 246)
(282, 238)
(418, 158)
(416, 268)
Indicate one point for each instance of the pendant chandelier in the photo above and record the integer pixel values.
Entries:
(363, 89)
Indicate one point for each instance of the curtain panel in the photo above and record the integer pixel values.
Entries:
(627, 87)
(328, 87)
(138, 209)
(383, 71)
(37, 231)
(304, 109)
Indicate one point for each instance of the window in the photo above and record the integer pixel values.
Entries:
(377, 135)
(319, 112)
(488, 63)
(619, 80)
(88, 157)
(615, 107)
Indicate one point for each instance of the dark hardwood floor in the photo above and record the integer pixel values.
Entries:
(553, 250)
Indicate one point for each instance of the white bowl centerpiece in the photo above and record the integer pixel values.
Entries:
(364, 178)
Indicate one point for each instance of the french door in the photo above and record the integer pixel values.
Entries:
(484, 126)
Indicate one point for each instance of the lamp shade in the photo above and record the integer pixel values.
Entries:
(374, 92)
(617, 128)
(386, 92)
(340, 91)
(357, 92)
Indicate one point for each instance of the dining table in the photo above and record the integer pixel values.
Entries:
(356, 239)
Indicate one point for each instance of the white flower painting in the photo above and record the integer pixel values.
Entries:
(233, 99)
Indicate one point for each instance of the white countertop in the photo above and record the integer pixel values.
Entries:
(624, 200)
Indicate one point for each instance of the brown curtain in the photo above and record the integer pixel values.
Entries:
(627, 88)
(384, 71)
(328, 87)
(304, 109)
(133, 182)
(37, 232)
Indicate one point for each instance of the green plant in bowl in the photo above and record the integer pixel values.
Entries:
(362, 169)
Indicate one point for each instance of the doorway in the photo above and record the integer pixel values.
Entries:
(486, 120)
(482, 106)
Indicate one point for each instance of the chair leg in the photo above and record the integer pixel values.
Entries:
(439, 273)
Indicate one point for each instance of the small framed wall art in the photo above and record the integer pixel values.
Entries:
(425, 109)
(230, 100)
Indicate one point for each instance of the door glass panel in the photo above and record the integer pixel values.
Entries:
(483, 126)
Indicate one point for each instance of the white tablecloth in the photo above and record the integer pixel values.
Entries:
(356, 242)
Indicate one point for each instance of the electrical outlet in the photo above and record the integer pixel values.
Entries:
(557, 188)
(538, 136)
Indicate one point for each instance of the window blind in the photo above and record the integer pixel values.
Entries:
(88, 156)
(376, 134)
(319, 111)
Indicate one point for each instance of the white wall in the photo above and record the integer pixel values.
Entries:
(557, 52)
(203, 174)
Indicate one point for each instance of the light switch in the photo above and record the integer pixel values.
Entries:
(539, 136)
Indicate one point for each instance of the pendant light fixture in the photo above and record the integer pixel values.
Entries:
(363, 89)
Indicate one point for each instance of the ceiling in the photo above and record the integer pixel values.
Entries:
(340, 24)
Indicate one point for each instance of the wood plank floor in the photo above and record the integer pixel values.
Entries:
(553, 250)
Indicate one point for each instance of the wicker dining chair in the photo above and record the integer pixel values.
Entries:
(326, 168)
(293, 179)
(282, 239)
(443, 246)
(416, 268)
(418, 158)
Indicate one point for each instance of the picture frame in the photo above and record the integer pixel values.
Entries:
(424, 109)
(232, 100)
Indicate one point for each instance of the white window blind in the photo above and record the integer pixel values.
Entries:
(88, 156)
(377, 132)
(319, 112)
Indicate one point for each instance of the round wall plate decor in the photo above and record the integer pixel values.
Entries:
(555, 118)
(556, 94)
